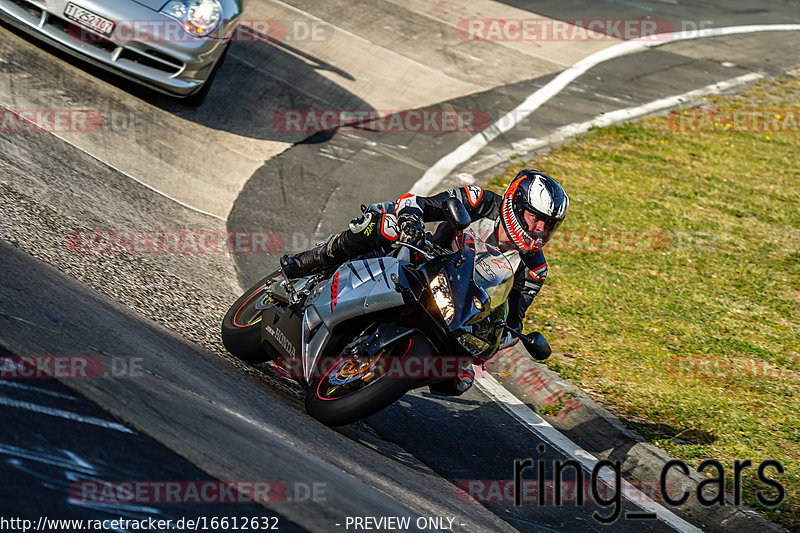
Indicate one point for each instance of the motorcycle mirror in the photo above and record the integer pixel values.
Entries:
(457, 214)
(536, 345)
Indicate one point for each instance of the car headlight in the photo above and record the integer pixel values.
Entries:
(198, 17)
(441, 295)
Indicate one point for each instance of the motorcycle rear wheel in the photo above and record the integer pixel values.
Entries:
(241, 326)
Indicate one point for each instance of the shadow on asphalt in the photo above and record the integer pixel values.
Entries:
(248, 92)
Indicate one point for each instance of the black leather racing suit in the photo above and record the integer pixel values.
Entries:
(532, 270)
(377, 229)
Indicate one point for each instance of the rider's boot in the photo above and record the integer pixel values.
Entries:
(457, 385)
(465, 379)
(328, 254)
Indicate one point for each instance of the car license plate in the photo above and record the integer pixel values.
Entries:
(88, 19)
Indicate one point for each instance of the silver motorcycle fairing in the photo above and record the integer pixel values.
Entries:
(362, 286)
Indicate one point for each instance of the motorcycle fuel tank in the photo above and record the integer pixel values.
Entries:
(358, 288)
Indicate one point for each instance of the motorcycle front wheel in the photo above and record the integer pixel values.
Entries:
(341, 395)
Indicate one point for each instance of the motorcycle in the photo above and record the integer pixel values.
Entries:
(360, 337)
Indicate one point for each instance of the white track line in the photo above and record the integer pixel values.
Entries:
(69, 415)
(607, 119)
(14, 385)
(359, 37)
(442, 168)
(539, 426)
(140, 182)
(134, 178)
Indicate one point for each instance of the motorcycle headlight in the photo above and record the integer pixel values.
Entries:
(198, 17)
(441, 294)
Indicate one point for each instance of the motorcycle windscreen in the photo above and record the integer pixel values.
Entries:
(494, 274)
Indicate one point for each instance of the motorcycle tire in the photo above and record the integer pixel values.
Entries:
(366, 401)
(241, 326)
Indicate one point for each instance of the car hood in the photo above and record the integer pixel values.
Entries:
(155, 5)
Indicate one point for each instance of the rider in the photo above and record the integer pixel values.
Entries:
(521, 220)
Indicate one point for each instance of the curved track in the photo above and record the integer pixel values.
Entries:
(157, 166)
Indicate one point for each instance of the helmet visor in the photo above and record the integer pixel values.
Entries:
(538, 226)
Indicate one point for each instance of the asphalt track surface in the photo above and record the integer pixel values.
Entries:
(195, 414)
(46, 453)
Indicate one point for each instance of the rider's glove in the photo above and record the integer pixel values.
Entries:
(508, 341)
(412, 229)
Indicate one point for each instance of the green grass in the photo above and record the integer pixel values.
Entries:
(721, 285)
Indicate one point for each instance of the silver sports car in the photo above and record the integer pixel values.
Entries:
(172, 46)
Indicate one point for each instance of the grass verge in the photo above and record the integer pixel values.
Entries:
(674, 286)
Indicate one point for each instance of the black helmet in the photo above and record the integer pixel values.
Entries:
(534, 205)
